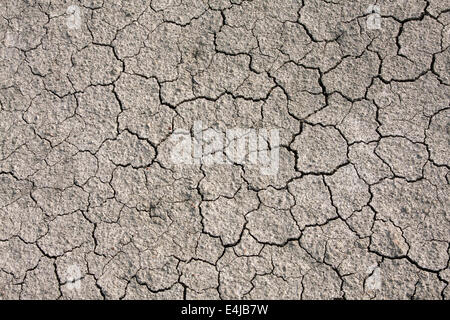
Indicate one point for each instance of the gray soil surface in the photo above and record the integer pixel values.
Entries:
(93, 205)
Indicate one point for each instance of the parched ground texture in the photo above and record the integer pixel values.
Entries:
(93, 207)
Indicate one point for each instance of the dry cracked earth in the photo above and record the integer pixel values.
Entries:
(92, 205)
